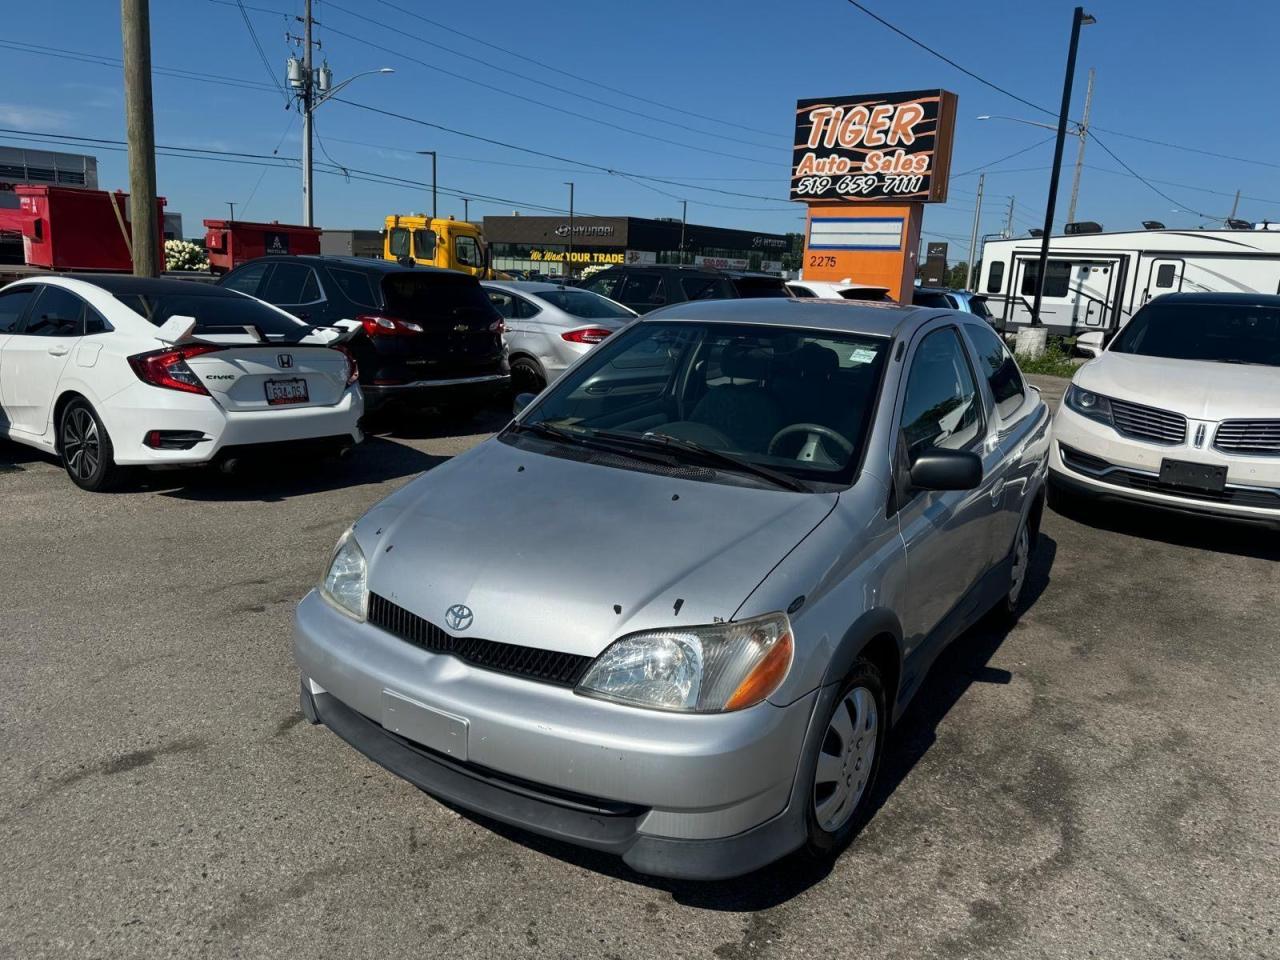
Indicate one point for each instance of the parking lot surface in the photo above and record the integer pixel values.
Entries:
(1101, 781)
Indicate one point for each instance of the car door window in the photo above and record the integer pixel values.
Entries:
(504, 303)
(424, 244)
(291, 283)
(941, 404)
(524, 309)
(56, 313)
(247, 278)
(355, 286)
(998, 366)
(643, 288)
(606, 285)
(12, 305)
(466, 251)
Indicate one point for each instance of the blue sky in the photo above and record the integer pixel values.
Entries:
(1166, 70)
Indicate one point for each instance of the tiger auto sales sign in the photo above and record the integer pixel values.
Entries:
(879, 147)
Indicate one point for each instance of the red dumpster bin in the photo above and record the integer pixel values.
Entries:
(233, 242)
(66, 228)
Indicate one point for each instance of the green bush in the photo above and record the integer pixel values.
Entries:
(1054, 362)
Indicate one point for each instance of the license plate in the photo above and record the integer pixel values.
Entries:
(432, 728)
(287, 391)
(1193, 476)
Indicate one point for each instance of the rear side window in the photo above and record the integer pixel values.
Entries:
(995, 277)
(702, 288)
(801, 291)
(606, 285)
(644, 288)
(997, 365)
(291, 283)
(56, 313)
(12, 304)
(414, 295)
(585, 304)
(355, 286)
(247, 278)
(214, 313)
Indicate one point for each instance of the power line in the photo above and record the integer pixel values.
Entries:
(701, 131)
(262, 54)
(1147, 182)
(992, 163)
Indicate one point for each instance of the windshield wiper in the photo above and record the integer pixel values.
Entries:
(707, 454)
(584, 439)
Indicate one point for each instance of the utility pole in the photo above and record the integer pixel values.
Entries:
(232, 206)
(973, 235)
(1083, 134)
(434, 208)
(135, 24)
(308, 89)
(1008, 226)
(568, 263)
(466, 209)
(684, 216)
(1234, 206)
(1078, 18)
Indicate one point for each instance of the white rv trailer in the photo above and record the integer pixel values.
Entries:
(1096, 281)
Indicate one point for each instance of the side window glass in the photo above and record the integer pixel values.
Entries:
(1057, 279)
(998, 366)
(12, 304)
(291, 283)
(643, 288)
(606, 285)
(466, 251)
(1165, 275)
(995, 277)
(802, 292)
(57, 313)
(354, 286)
(503, 303)
(94, 322)
(424, 244)
(941, 404)
(525, 309)
(247, 278)
(398, 242)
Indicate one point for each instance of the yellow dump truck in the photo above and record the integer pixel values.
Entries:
(451, 244)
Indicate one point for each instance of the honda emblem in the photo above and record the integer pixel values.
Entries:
(285, 360)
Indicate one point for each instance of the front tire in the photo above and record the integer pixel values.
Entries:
(1006, 610)
(86, 449)
(527, 376)
(842, 769)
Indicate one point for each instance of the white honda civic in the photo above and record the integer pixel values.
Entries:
(115, 372)
(1181, 411)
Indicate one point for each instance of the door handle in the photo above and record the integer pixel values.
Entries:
(59, 350)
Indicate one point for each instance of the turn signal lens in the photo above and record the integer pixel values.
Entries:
(766, 677)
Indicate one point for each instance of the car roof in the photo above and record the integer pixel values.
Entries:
(369, 264)
(847, 316)
(124, 284)
(529, 286)
(1255, 299)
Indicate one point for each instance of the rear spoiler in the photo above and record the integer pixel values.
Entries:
(179, 329)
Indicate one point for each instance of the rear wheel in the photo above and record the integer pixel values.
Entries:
(843, 770)
(527, 376)
(86, 449)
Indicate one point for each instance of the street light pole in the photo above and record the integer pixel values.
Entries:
(684, 217)
(432, 154)
(973, 235)
(1078, 19)
(568, 264)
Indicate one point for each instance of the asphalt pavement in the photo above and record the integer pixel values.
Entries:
(1101, 781)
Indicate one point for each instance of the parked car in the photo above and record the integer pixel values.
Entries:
(842, 290)
(648, 287)
(671, 611)
(424, 337)
(112, 372)
(549, 326)
(1181, 411)
(749, 284)
(943, 298)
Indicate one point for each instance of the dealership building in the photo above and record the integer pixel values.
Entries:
(542, 243)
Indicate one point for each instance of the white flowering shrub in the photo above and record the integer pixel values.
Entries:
(593, 268)
(184, 255)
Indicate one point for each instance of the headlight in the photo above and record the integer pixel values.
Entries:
(709, 669)
(1092, 405)
(345, 583)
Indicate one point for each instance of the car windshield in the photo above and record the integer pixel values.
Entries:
(794, 403)
(585, 304)
(212, 313)
(1223, 332)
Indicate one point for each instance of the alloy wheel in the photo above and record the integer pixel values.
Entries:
(81, 444)
(1021, 558)
(845, 759)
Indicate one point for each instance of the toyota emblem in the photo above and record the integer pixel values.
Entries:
(458, 617)
(285, 360)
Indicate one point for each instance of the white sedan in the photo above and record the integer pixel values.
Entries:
(115, 372)
(1181, 411)
(841, 290)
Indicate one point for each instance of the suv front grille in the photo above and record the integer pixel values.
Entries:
(1148, 423)
(1248, 436)
(547, 666)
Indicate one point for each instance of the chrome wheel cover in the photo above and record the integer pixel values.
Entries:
(845, 759)
(1021, 560)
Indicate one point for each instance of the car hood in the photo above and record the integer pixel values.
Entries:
(564, 555)
(1198, 389)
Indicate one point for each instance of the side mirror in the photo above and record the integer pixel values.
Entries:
(521, 401)
(938, 469)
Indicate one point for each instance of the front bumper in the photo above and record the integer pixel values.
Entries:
(458, 391)
(696, 796)
(1091, 458)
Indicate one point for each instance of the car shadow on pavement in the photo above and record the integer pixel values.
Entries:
(430, 425)
(1218, 535)
(375, 461)
(965, 662)
(14, 457)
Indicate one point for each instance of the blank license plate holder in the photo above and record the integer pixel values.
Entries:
(1207, 477)
(434, 729)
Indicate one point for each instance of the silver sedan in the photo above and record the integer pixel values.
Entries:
(549, 326)
(672, 609)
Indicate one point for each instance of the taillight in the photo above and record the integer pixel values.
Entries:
(353, 371)
(168, 368)
(498, 326)
(379, 326)
(586, 335)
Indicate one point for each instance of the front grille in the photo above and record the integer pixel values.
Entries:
(548, 666)
(1148, 423)
(1092, 466)
(1248, 436)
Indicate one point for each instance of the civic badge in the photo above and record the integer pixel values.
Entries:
(458, 617)
(285, 360)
